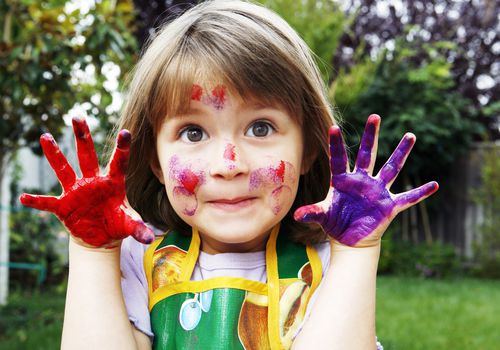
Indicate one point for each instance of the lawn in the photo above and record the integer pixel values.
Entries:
(411, 314)
(432, 314)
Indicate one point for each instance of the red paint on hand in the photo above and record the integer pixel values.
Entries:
(92, 207)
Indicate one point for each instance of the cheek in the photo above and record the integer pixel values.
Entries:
(184, 181)
(279, 182)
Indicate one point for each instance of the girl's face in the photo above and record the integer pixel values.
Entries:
(230, 168)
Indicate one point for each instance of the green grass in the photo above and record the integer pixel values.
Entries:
(32, 321)
(432, 314)
(412, 314)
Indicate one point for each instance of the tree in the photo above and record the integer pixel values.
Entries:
(51, 58)
(471, 25)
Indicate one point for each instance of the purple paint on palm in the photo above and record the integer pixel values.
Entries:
(358, 204)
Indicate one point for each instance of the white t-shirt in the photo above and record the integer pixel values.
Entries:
(251, 266)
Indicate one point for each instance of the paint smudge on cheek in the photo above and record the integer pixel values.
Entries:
(276, 181)
(186, 183)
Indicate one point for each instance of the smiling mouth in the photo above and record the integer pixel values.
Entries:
(232, 204)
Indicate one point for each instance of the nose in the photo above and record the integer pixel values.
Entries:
(228, 161)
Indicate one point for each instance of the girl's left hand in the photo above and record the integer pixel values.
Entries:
(359, 206)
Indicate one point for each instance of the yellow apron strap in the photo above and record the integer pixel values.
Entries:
(317, 270)
(191, 257)
(273, 290)
(148, 262)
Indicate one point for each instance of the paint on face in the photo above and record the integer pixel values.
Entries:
(187, 182)
(278, 177)
(196, 92)
(217, 98)
(229, 153)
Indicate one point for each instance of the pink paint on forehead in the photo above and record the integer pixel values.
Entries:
(229, 153)
(218, 97)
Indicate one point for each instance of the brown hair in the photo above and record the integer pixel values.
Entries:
(256, 54)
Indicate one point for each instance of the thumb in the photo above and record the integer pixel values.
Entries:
(310, 213)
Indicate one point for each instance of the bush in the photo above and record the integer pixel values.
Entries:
(486, 261)
(424, 259)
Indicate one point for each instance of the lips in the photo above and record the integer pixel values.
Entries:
(233, 203)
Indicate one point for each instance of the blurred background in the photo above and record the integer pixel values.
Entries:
(430, 67)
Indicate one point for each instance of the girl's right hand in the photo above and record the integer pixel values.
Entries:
(92, 207)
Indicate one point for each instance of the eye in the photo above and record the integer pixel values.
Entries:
(192, 134)
(260, 129)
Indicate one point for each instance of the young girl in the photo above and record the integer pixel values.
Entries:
(223, 151)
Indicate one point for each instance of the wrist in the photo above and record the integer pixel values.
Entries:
(76, 244)
(339, 247)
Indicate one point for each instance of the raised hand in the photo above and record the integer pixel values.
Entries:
(92, 207)
(359, 206)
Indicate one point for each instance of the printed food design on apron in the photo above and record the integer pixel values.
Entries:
(228, 312)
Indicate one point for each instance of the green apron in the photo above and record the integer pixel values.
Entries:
(227, 312)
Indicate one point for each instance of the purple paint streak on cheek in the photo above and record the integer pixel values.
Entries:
(278, 197)
(187, 183)
(187, 199)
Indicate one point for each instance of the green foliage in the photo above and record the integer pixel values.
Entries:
(487, 196)
(32, 321)
(36, 237)
(436, 260)
(411, 95)
(43, 47)
(319, 22)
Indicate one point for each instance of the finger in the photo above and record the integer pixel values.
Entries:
(85, 149)
(368, 149)
(338, 154)
(140, 231)
(48, 203)
(310, 213)
(119, 161)
(407, 199)
(58, 161)
(392, 167)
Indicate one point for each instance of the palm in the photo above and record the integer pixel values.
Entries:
(359, 206)
(92, 207)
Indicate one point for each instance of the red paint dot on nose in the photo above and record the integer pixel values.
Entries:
(280, 171)
(229, 153)
(196, 92)
(189, 180)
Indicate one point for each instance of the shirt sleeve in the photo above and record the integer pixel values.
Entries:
(134, 284)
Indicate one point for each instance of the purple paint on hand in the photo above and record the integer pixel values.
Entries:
(360, 205)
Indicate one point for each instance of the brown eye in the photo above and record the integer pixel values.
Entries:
(260, 129)
(193, 134)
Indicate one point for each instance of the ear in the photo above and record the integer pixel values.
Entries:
(154, 164)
